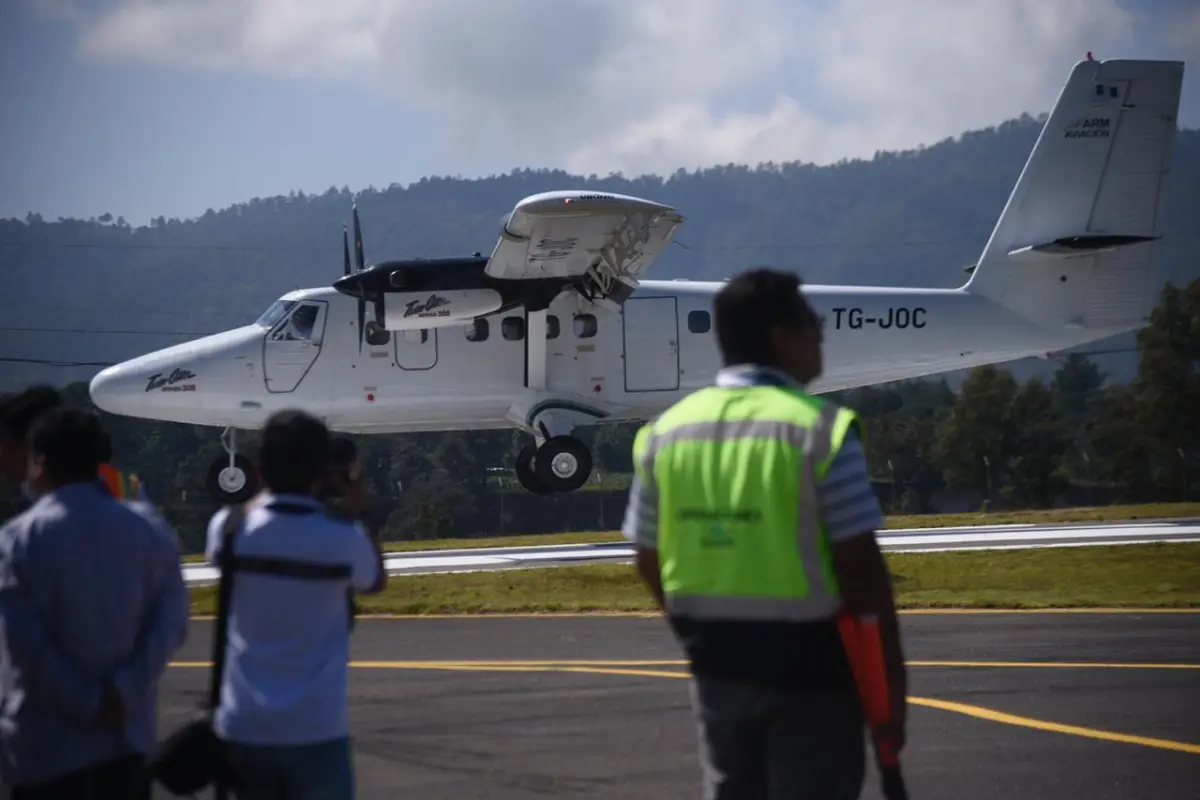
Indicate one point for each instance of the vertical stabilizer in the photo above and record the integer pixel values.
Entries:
(1077, 243)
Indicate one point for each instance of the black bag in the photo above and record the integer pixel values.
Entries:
(193, 757)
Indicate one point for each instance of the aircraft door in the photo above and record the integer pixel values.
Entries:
(651, 332)
(292, 346)
(416, 349)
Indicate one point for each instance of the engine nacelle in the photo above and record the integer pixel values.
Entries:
(437, 308)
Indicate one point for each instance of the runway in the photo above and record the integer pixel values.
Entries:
(898, 540)
(1036, 705)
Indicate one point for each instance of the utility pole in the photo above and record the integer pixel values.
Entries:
(987, 465)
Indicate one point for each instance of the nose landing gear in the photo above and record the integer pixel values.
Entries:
(231, 478)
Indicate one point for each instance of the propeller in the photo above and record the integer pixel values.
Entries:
(362, 294)
(355, 284)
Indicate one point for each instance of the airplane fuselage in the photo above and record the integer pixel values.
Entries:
(624, 366)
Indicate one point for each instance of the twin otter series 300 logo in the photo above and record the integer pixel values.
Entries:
(173, 382)
(426, 308)
(1089, 128)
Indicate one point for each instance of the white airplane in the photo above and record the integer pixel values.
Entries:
(558, 328)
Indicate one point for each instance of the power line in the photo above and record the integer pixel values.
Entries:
(59, 363)
(118, 332)
(975, 242)
(322, 249)
(51, 363)
(113, 332)
(201, 247)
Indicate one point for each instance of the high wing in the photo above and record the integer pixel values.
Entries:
(597, 237)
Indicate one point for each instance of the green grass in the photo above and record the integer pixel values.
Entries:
(1050, 516)
(1149, 575)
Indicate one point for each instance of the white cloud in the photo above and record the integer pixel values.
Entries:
(1184, 35)
(649, 85)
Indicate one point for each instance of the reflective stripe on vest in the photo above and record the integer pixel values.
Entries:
(740, 534)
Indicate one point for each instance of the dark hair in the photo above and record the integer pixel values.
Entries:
(749, 305)
(294, 452)
(20, 411)
(72, 442)
(342, 451)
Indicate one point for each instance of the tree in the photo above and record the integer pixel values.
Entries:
(1074, 383)
(1034, 471)
(1117, 447)
(1168, 384)
(973, 443)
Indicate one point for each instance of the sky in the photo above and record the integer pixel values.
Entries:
(142, 108)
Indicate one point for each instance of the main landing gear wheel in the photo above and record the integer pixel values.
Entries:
(232, 481)
(561, 464)
(526, 473)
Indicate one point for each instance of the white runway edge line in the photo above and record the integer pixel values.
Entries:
(909, 540)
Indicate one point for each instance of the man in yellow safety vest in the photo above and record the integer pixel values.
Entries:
(753, 521)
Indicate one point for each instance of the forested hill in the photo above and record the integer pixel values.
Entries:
(908, 219)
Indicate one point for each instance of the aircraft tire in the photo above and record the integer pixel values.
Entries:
(526, 474)
(563, 464)
(229, 486)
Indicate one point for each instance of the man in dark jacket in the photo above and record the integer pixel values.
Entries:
(92, 606)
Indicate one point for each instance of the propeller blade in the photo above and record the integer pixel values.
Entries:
(345, 251)
(358, 242)
(379, 311)
(362, 315)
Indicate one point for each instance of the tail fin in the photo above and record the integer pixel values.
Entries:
(1077, 242)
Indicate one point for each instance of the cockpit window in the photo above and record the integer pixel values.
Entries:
(275, 313)
(300, 326)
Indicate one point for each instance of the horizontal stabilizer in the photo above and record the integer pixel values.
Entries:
(575, 234)
(1076, 246)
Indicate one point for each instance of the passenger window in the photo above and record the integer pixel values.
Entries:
(420, 336)
(513, 329)
(585, 326)
(477, 331)
(376, 334)
(698, 321)
(552, 328)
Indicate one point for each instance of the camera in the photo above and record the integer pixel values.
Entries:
(342, 455)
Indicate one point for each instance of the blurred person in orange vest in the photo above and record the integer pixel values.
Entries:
(121, 485)
(17, 415)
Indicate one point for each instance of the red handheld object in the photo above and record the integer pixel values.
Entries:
(864, 651)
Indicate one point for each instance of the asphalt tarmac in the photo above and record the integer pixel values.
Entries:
(1103, 716)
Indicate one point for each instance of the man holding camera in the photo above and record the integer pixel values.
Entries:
(284, 713)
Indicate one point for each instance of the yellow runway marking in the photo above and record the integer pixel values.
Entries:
(979, 712)
(1055, 727)
(1050, 665)
(945, 612)
(520, 665)
(1115, 610)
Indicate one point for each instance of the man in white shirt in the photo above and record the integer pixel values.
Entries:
(284, 711)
